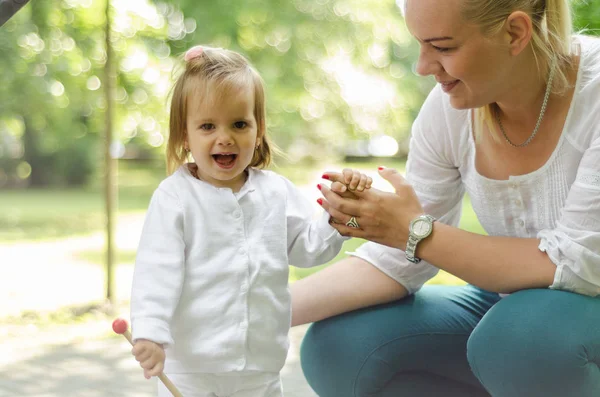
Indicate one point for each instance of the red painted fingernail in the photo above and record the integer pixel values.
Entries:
(319, 186)
(325, 176)
(320, 201)
(380, 168)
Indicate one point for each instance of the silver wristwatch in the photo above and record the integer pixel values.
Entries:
(419, 229)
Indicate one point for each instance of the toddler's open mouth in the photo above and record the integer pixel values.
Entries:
(225, 160)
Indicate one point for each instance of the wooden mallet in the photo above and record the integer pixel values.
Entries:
(120, 326)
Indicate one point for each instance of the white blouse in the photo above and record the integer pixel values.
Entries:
(559, 203)
(211, 272)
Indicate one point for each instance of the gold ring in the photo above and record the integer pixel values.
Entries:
(353, 223)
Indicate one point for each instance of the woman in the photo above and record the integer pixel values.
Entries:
(514, 121)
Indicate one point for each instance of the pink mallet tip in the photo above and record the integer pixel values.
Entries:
(120, 326)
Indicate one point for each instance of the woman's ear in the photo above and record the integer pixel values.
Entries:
(519, 30)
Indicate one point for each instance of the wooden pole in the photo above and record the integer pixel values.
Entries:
(110, 175)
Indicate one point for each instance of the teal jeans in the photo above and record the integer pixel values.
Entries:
(458, 342)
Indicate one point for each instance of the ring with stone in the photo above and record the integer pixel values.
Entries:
(353, 223)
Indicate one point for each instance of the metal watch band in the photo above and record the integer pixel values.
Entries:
(411, 247)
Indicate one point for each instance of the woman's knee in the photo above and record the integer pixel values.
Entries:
(331, 356)
(358, 353)
(538, 343)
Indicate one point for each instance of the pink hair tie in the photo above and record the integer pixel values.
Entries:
(193, 52)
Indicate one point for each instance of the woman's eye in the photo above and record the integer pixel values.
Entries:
(207, 126)
(441, 49)
(240, 124)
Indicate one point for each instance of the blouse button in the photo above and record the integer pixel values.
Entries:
(521, 222)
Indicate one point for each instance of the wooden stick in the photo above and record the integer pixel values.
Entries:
(120, 327)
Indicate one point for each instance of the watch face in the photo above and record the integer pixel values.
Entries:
(421, 228)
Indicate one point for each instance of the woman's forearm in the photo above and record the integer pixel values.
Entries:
(498, 264)
(349, 284)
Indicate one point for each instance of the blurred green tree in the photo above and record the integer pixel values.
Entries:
(51, 115)
(587, 16)
(334, 70)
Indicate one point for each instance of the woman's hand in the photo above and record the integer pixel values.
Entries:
(382, 217)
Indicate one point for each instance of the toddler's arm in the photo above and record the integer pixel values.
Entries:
(314, 242)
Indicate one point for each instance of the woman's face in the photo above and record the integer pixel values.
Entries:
(470, 67)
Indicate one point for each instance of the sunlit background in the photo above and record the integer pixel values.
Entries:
(341, 91)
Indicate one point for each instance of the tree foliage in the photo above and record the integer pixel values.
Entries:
(335, 71)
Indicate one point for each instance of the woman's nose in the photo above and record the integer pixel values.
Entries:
(427, 65)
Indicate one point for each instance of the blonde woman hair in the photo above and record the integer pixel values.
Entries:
(551, 39)
(220, 71)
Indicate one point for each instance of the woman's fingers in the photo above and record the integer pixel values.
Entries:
(348, 231)
(337, 217)
(338, 187)
(333, 176)
(342, 204)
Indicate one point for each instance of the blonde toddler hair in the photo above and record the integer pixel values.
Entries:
(223, 71)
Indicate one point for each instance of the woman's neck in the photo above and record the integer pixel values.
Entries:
(522, 101)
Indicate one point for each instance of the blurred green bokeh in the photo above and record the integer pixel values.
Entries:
(337, 74)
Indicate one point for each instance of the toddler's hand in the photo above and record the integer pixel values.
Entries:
(355, 180)
(151, 357)
(348, 180)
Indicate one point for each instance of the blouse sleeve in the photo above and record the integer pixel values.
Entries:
(159, 269)
(574, 244)
(432, 170)
(311, 241)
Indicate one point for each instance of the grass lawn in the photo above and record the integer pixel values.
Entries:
(43, 214)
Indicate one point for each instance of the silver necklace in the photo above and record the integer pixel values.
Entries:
(539, 120)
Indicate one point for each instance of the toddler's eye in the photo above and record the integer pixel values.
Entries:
(240, 124)
(207, 126)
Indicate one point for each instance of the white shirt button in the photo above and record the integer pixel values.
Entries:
(243, 251)
(237, 214)
(244, 288)
(512, 185)
(521, 222)
(518, 202)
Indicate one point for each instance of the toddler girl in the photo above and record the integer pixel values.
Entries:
(210, 303)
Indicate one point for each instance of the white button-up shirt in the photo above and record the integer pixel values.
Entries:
(559, 203)
(211, 272)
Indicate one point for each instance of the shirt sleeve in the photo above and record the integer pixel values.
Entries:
(311, 241)
(433, 173)
(159, 269)
(574, 244)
